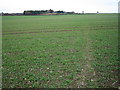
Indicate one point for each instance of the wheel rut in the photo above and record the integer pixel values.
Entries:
(87, 75)
(88, 72)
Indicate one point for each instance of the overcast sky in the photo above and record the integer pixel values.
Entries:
(91, 6)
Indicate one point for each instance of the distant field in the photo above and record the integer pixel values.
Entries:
(62, 51)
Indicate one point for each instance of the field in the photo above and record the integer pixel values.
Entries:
(62, 51)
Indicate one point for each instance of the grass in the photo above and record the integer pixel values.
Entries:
(60, 51)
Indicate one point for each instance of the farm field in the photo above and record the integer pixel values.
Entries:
(62, 51)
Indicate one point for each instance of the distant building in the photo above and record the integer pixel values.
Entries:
(11, 14)
(97, 12)
(50, 11)
(82, 12)
(17, 14)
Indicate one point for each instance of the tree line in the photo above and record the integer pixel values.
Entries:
(38, 12)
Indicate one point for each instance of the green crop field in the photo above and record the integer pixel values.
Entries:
(60, 51)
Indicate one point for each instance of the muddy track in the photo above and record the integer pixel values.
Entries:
(65, 28)
(39, 32)
(45, 31)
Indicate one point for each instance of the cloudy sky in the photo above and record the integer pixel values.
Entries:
(91, 6)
